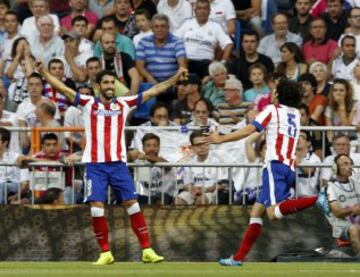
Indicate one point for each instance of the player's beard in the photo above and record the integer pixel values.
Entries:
(106, 94)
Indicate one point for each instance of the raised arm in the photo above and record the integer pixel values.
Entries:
(54, 82)
(215, 138)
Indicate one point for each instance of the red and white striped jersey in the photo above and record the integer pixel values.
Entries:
(104, 127)
(282, 125)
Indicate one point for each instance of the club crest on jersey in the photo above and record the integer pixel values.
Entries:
(115, 106)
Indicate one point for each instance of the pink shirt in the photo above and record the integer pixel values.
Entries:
(90, 16)
(319, 52)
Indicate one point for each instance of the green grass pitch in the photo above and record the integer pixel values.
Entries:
(169, 269)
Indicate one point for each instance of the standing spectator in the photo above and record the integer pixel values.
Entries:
(300, 23)
(149, 5)
(343, 66)
(319, 47)
(100, 7)
(316, 102)
(119, 62)
(143, 23)
(335, 18)
(159, 56)
(201, 114)
(46, 45)
(223, 12)
(257, 77)
(202, 36)
(354, 28)
(249, 14)
(30, 26)
(4, 7)
(79, 7)
(249, 56)
(291, 64)
(321, 73)
(123, 43)
(176, 10)
(270, 44)
(213, 91)
(80, 25)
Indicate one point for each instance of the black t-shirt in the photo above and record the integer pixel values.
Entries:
(149, 6)
(240, 68)
(182, 111)
(127, 63)
(241, 4)
(335, 30)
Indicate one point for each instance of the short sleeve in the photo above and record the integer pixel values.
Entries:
(180, 49)
(222, 37)
(81, 100)
(331, 194)
(230, 11)
(131, 101)
(140, 51)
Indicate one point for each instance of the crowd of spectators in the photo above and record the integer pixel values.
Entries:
(144, 42)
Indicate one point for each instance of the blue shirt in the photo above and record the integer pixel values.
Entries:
(251, 94)
(123, 44)
(161, 62)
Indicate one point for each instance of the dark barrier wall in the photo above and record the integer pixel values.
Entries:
(180, 234)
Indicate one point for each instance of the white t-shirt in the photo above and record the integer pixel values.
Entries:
(177, 15)
(73, 118)
(30, 30)
(201, 41)
(86, 46)
(222, 11)
(5, 51)
(80, 61)
(306, 185)
(139, 36)
(343, 71)
(12, 173)
(54, 48)
(9, 117)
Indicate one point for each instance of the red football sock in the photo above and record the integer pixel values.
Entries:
(101, 232)
(139, 227)
(251, 234)
(295, 205)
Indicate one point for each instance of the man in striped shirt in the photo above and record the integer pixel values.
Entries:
(105, 154)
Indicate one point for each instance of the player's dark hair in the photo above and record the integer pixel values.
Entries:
(289, 93)
(103, 73)
(347, 37)
(5, 135)
(157, 106)
(196, 134)
(14, 13)
(150, 136)
(51, 195)
(36, 76)
(92, 59)
(144, 12)
(49, 136)
(55, 61)
(79, 18)
(250, 33)
(304, 107)
(308, 77)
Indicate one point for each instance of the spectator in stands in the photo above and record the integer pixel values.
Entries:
(316, 102)
(46, 45)
(355, 82)
(223, 12)
(257, 77)
(39, 8)
(335, 18)
(341, 145)
(120, 63)
(300, 23)
(201, 186)
(75, 60)
(143, 24)
(321, 149)
(154, 182)
(321, 73)
(213, 91)
(202, 113)
(232, 111)
(249, 56)
(123, 43)
(100, 7)
(354, 28)
(159, 56)
(183, 109)
(79, 25)
(343, 66)
(176, 10)
(292, 64)
(79, 7)
(12, 178)
(319, 47)
(270, 44)
(202, 37)
(307, 177)
(148, 5)
(341, 109)
(4, 7)
(249, 14)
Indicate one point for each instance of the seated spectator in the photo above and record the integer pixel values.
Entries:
(292, 64)
(119, 62)
(201, 114)
(343, 66)
(342, 194)
(4, 7)
(316, 102)
(123, 43)
(79, 25)
(30, 26)
(100, 7)
(79, 7)
(355, 82)
(183, 109)
(249, 56)
(340, 110)
(307, 177)
(223, 12)
(354, 28)
(202, 37)
(321, 73)
(319, 47)
(202, 186)
(249, 14)
(300, 23)
(336, 19)
(154, 185)
(232, 111)
(143, 23)
(270, 44)
(213, 91)
(52, 196)
(257, 77)
(47, 45)
(12, 178)
(178, 11)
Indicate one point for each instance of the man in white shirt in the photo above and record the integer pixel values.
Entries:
(176, 10)
(343, 66)
(38, 8)
(202, 37)
(79, 25)
(223, 12)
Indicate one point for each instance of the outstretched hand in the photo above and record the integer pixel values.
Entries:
(213, 137)
(39, 66)
(182, 74)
